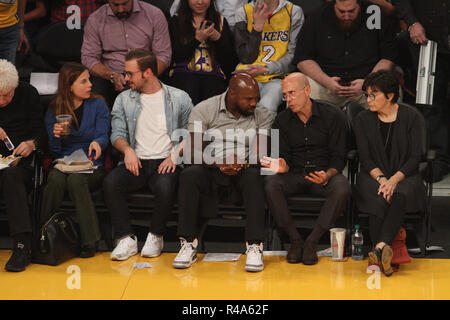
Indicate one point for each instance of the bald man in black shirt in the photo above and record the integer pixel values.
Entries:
(312, 149)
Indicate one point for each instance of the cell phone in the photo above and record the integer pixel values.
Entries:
(208, 23)
(345, 83)
(310, 168)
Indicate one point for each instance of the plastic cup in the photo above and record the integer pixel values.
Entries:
(65, 120)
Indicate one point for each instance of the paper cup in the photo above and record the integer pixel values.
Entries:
(337, 239)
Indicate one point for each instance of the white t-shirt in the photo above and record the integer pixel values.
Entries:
(152, 139)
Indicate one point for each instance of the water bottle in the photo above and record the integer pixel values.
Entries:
(357, 244)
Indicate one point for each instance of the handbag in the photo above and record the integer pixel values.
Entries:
(57, 241)
(399, 248)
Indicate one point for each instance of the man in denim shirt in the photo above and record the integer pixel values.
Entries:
(143, 123)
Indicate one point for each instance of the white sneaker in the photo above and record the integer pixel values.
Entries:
(126, 248)
(153, 246)
(187, 254)
(254, 261)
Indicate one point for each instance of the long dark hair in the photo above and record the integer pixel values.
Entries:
(63, 103)
(185, 19)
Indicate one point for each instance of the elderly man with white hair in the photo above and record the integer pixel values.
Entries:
(22, 123)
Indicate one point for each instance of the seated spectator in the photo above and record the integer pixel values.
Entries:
(227, 8)
(236, 109)
(115, 29)
(202, 50)
(336, 50)
(21, 121)
(87, 7)
(385, 5)
(312, 157)
(89, 132)
(389, 138)
(266, 36)
(12, 34)
(144, 119)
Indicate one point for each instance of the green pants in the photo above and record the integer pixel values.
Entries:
(79, 187)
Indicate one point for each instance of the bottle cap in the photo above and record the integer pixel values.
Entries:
(357, 226)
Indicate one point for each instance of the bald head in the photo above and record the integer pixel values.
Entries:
(243, 94)
(297, 78)
(241, 81)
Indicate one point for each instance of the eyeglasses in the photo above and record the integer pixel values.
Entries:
(129, 73)
(370, 96)
(292, 93)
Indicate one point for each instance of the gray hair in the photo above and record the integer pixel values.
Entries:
(9, 77)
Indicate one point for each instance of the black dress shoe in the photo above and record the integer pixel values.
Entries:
(295, 252)
(87, 251)
(309, 255)
(19, 260)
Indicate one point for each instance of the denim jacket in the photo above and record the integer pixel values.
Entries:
(127, 107)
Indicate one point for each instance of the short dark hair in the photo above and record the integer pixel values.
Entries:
(144, 58)
(384, 81)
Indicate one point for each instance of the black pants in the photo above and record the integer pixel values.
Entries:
(280, 186)
(385, 230)
(199, 87)
(121, 181)
(437, 115)
(196, 180)
(14, 182)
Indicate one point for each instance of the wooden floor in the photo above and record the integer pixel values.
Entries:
(101, 278)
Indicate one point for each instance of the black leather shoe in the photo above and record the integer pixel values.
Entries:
(295, 252)
(87, 251)
(19, 260)
(309, 255)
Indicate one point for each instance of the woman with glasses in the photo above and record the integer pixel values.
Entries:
(389, 139)
(89, 131)
(203, 54)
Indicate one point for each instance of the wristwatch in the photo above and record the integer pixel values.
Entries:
(111, 77)
(379, 177)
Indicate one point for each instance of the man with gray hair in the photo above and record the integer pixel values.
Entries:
(312, 157)
(21, 131)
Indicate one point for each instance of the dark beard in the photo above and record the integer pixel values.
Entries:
(123, 15)
(343, 27)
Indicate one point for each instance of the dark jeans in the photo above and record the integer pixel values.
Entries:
(279, 187)
(13, 183)
(197, 180)
(121, 181)
(79, 187)
(385, 230)
(9, 40)
(199, 86)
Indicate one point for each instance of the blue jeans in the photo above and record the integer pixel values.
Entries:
(9, 40)
(271, 95)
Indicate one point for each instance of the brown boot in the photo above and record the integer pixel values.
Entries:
(386, 258)
(295, 252)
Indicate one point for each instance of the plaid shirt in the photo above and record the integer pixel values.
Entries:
(59, 9)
